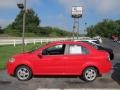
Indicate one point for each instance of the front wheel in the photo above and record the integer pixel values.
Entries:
(23, 73)
(89, 74)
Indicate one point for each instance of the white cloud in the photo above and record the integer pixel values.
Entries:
(108, 6)
(4, 22)
(56, 21)
(69, 3)
(8, 4)
(100, 6)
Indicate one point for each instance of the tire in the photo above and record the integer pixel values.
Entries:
(89, 74)
(23, 73)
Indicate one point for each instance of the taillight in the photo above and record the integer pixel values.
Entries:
(109, 57)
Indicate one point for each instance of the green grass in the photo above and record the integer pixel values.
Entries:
(7, 51)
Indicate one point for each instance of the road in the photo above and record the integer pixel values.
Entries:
(108, 81)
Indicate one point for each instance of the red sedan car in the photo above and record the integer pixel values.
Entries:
(60, 58)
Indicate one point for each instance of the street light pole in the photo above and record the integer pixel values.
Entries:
(24, 20)
(22, 6)
(85, 31)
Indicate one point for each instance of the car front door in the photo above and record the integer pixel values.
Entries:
(51, 61)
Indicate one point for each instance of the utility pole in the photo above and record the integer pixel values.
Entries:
(22, 6)
(24, 20)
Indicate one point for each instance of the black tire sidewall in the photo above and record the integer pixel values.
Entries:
(83, 75)
(30, 73)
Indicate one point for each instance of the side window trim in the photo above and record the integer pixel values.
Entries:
(66, 49)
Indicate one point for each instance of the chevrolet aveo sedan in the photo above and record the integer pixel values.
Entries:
(64, 58)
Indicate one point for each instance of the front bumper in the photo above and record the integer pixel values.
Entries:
(10, 68)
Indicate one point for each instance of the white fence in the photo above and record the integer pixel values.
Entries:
(37, 40)
(32, 40)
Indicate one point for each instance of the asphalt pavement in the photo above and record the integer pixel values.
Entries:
(107, 81)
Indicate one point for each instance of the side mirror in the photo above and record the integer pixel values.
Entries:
(40, 55)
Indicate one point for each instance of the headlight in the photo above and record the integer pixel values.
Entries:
(11, 60)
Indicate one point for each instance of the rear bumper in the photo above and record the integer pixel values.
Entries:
(105, 68)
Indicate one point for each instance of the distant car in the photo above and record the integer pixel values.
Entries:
(115, 38)
(93, 41)
(118, 39)
(60, 58)
(98, 38)
(99, 47)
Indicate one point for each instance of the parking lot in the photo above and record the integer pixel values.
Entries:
(108, 81)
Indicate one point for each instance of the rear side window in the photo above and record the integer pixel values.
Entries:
(77, 49)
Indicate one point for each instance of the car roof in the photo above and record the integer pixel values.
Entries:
(67, 42)
(64, 42)
(71, 42)
(87, 40)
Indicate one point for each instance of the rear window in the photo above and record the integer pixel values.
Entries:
(93, 45)
(97, 42)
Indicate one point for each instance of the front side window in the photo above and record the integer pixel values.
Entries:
(54, 50)
(77, 49)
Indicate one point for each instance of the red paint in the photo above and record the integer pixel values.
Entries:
(61, 64)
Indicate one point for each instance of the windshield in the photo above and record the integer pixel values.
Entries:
(34, 48)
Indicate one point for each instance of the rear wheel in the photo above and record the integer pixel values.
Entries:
(23, 73)
(90, 74)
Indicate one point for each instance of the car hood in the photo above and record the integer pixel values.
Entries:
(22, 55)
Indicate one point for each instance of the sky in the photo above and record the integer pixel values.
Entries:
(57, 13)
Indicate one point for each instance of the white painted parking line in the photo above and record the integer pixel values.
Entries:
(49, 89)
(74, 89)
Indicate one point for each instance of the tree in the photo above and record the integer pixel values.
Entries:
(33, 27)
(32, 23)
(53, 32)
(1, 31)
(106, 28)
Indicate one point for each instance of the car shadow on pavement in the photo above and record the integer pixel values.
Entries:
(116, 73)
(5, 82)
(73, 79)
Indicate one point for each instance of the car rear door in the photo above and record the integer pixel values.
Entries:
(75, 58)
